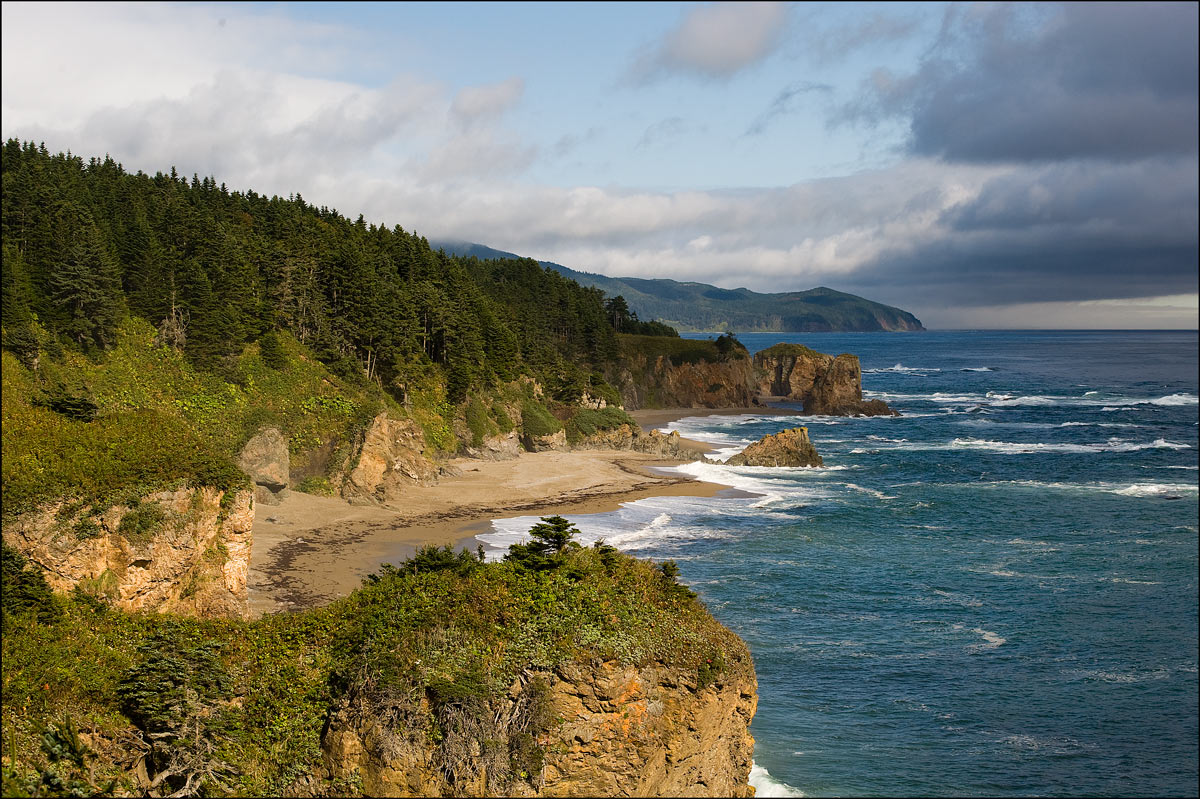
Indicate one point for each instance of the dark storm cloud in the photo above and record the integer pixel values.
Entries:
(1069, 232)
(1039, 83)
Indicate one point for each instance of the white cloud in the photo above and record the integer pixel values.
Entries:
(475, 103)
(716, 41)
(235, 101)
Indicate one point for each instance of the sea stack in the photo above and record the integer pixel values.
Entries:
(787, 448)
(827, 386)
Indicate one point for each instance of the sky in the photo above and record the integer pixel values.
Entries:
(981, 165)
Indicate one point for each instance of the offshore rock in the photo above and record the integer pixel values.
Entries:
(826, 385)
(615, 730)
(787, 448)
(189, 554)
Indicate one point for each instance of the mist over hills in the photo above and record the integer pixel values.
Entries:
(693, 306)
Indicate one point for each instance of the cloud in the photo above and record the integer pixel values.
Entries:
(474, 104)
(785, 103)
(235, 112)
(715, 41)
(665, 131)
(950, 229)
(1115, 81)
(826, 43)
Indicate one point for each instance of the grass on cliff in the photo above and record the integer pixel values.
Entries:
(243, 704)
(681, 350)
(141, 418)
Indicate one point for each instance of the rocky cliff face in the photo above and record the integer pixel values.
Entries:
(599, 728)
(786, 448)
(657, 383)
(827, 386)
(390, 458)
(266, 461)
(185, 551)
(667, 445)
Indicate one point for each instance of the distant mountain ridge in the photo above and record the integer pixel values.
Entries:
(693, 306)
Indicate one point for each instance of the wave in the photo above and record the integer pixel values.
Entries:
(1164, 490)
(765, 785)
(902, 369)
(1018, 448)
(1001, 399)
(871, 491)
(993, 640)
(978, 369)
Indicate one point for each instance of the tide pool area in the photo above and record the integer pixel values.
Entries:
(994, 593)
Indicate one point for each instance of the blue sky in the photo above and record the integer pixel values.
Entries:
(980, 165)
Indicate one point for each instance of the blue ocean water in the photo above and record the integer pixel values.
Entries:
(993, 594)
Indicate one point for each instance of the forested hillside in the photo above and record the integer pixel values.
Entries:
(701, 307)
(152, 323)
(86, 243)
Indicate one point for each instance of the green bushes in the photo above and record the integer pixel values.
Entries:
(141, 522)
(424, 646)
(318, 486)
(24, 589)
(536, 421)
(586, 422)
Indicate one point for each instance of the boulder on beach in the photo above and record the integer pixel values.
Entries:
(787, 448)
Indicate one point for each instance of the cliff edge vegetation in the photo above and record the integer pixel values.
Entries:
(560, 670)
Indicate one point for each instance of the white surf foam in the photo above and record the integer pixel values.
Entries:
(765, 785)
(1002, 399)
(1021, 448)
(902, 369)
(978, 369)
(994, 640)
(1157, 490)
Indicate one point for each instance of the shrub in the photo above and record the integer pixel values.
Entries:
(536, 421)
(86, 528)
(319, 486)
(24, 589)
(271, 349)
(141, 522)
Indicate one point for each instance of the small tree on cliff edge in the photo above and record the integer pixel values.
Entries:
(549, 538)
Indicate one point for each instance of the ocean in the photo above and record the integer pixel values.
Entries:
(992, 594)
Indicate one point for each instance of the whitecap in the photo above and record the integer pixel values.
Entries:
(1027, 448)
(871, 491)
(993, 640)
(1176, 399)
(765, 785)
(1156, 490)
(902, 369)
(978, 369)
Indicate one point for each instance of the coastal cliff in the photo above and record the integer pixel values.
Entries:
(605, 729)
(576, 671)
(662, 372)
(827, 386)
(184, 551)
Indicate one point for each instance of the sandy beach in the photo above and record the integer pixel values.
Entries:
(309, 550)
